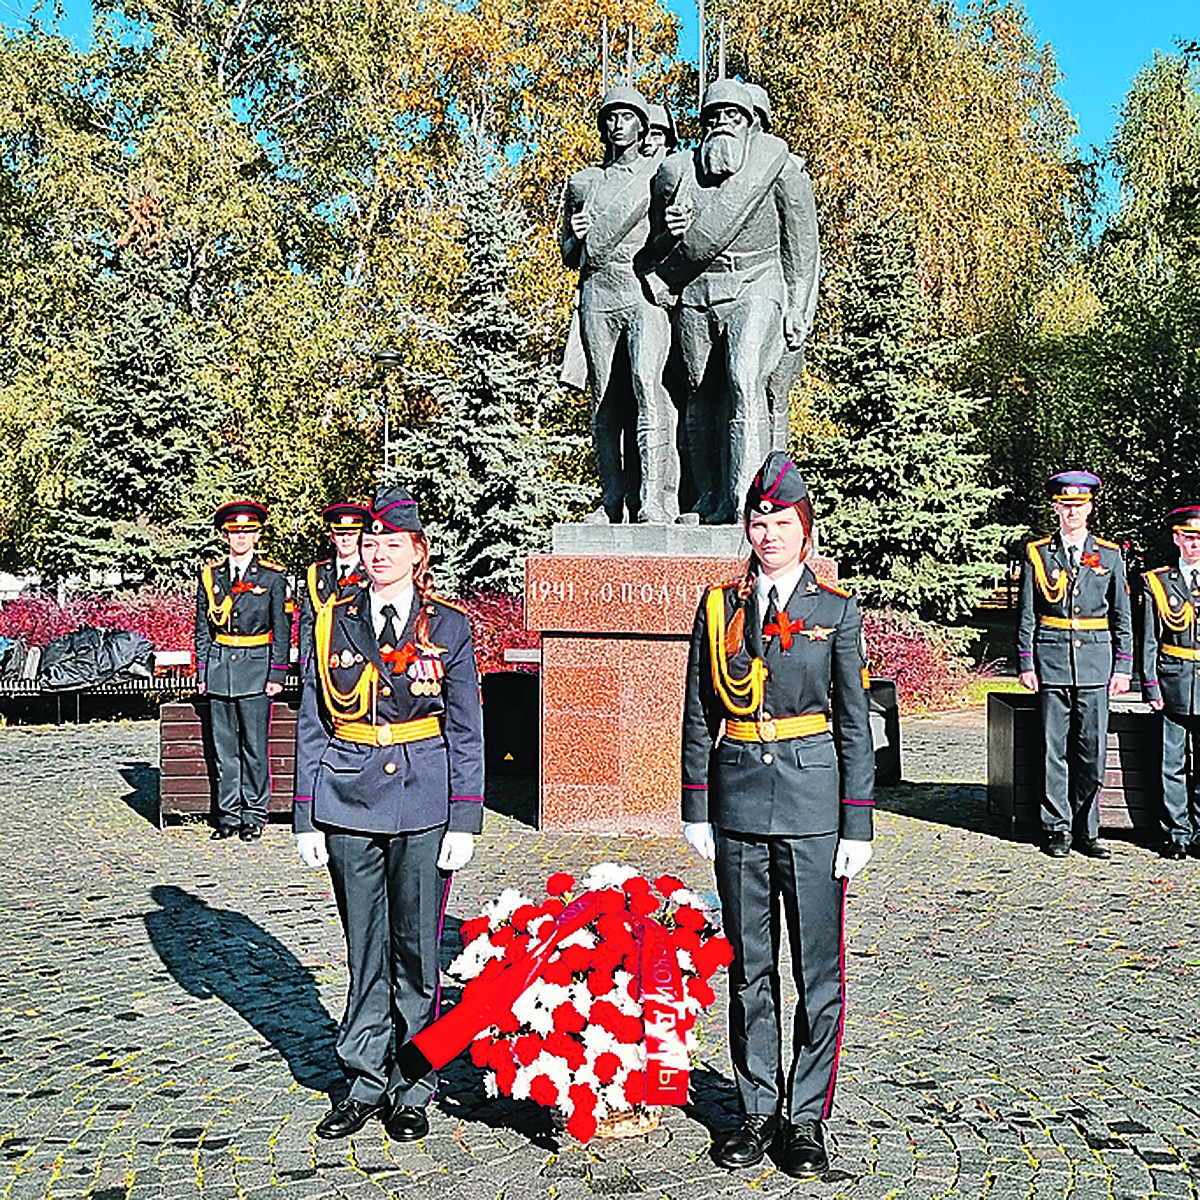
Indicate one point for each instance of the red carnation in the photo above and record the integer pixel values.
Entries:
(599, 983)
(563, 1046)
(552, 907)
(543, 1090)
(506, 1022)
(701, 992)
(476, 927)
(604, 958)
(576, 959)
(557, 971)
(635, 883)
(716, 952)
(581, 1124)
(687, 917)
(480, 1049)
(503, 935)
(611, 901)
(668, 885)
(568, 1019)
(635, 1087)
(560, 883)
(607, 1066)
(624, 1029)
(686, 939)
(517, 947)
(525, 914)
(644, 904)
(527, 1048)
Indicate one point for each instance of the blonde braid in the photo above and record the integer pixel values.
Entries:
(423, 586)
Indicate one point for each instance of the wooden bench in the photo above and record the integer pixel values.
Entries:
(1132, 794)
(185, 753)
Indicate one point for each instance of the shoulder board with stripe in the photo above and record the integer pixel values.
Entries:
(1158, 571)
(271, 566)
(448, 604)
(1107, 545)
(830, 587)
(322, 562)
(1038, 542)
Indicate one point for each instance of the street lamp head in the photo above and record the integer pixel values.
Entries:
(387, 358)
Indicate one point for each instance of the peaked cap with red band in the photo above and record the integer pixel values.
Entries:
(393, 511)
(1186, 517)
(345, 517)
(777, 485)
(240, 516)
(1072, 487)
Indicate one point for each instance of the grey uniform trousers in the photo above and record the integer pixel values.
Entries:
(1075, 733)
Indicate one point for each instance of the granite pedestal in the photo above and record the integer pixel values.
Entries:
(615, 606)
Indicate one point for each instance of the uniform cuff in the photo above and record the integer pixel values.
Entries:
(466, 814)
(302, 821)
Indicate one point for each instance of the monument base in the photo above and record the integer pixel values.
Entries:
(615, 635)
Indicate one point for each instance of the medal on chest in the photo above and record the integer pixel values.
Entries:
(425, 676)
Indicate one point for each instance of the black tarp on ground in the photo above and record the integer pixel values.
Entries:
(87, 657)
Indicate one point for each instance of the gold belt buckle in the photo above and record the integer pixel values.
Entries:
(384, 736)
(766, 729)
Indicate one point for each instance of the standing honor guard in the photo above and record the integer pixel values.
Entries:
(390, 736)
(1171, 680)
(778, 777)
(1074, 610)
(243, 643)
(330, 578)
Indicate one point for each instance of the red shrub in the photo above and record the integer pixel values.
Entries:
(162, 617)
(498, 624)
(925, 660)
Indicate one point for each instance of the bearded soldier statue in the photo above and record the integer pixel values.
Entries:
(625, 337)
(736, 257)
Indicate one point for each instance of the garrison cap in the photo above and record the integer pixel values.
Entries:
(1072, 487)
(728, 91)
(777, 485)
(345, 517)
(1186, 518)
(393, 511)
(624, 96)
(240, 516)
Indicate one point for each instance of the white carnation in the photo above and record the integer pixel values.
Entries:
(607, 875)
(505, 905)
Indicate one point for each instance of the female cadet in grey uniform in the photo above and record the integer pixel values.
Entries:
(778, 778)
(389, 781)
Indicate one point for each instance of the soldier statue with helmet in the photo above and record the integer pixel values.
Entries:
(626, 338)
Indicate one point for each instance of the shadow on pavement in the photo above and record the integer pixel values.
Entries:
(219, 952)
(144, 779)
(963, 805)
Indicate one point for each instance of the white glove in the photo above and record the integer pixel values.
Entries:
(456, 851)
(850, 857)
(699, 835)
(311, 848)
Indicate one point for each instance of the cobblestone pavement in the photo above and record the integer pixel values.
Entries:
(1018, 1027)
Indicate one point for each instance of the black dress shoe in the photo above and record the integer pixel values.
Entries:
(1093, 848)
(1058, 845)
(802, 1153)
(222, 832)
(1174, 850)
(250, 833)
(406, 1123)
(746, 1145)
(346, 1118)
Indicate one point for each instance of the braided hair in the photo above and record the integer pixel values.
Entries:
(423, 587)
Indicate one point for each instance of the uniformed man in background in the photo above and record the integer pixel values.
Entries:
(1171, 680)
(329, 578)
(1075, 648)
(243, 644)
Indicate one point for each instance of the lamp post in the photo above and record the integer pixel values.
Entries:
(387, 359)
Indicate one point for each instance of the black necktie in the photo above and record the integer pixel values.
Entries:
(236, 576)
(1073, 558)
(389, 635)
(1196, 581)
(772, 608)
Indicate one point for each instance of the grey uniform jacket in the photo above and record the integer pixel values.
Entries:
(1170, 646)
(1059, 615)
(822, 783)
(322, 584)
(254, 619)
(396, 788)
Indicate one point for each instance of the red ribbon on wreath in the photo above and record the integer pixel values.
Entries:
(661, 987)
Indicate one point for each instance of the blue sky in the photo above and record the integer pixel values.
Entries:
(1099, 46)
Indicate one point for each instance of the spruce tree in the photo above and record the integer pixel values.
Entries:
(139, 435)
(901, 496)
(484, 466)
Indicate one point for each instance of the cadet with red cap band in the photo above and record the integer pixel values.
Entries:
(390, 742)
(333, 577)
(778, 778)
(1074, 648)
(1171, 680)
(243, 644)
